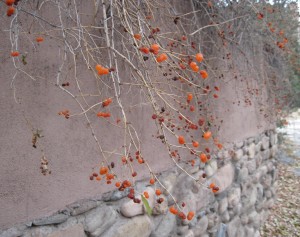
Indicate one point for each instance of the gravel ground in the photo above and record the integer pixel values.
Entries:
(284, 219)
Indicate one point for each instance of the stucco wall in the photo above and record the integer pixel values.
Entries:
(25, 194)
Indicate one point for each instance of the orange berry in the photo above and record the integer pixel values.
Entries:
(109, 176)
(203, 74)
(199, 57)
(145, 50)
(10, 11)
(140, 160)
(212, 185)
(98, 67)
(220, 146)
(173, 210)
(182, 215)
(126, 184)
(190, 215)
(106, 102)
(195, 69)
(118, 184)
(195, 144)
(181, 140)
(181, 65)
(9, 2)
(155, 47)
(193, 65)
(162, 57)
(39, 39)
(137, 36)
(101, 70)
(260, 16)
(192, 108)
(15, 54)
(157, 192)
(152, 181)
(98, 178)
(146, 194)
(184, 38)
(103, 170)
(207, 135)
(189, 97)
(124, 159)
(203, 157)
(104, 115)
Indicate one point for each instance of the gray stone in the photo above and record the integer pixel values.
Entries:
(13, 232)
(115, 195)
(252, 216)
(224, 177)
(201, 226)
(238, 154)
(251, 150)
(257, 234)
(273, 138)
(244, 219)
(41, 231)
(160, 208)
(268, 194)
(189, 233)
(239, 145)
(213, 220)
(270, 203)
(241, 231)
(243, 175)
(270, 166)
(260, 205)
(258, 158)
(266, 181)
(258, 146)
(231, 214)
(223, 205)
(205, 235)
(260, 192)
(249, 198)
(257, 222)
(249, 232)
(81, 207)
(130, 208)
(266, 154)
(181, 230)
(225, 217)
(274, 151)
(99, 219)
(139, 226)
(211, 168)
(72, 231)
(236, 209)
(260, 172)
(250, 140)
(251, 166)
(49, 220)
(265, 143)
(166, 226)
(203, 198)
(233, 226)
(264, 215)
(234, 197)
(222, 230)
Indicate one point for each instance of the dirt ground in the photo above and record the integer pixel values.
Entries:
(284, 219)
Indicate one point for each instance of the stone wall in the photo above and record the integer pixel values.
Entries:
(245, 173)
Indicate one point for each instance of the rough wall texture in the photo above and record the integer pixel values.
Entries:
(246, 174)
